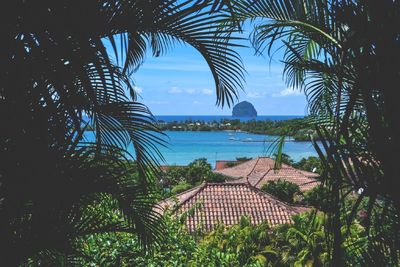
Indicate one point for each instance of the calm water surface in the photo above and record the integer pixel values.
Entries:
(184, 147)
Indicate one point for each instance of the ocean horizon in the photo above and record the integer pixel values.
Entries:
(210, 118)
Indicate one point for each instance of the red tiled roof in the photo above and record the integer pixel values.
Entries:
(227, 203)
(259, 171)
(288, 174)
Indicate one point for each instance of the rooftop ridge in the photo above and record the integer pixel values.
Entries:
(247, 176)
(292, 207)
(260, 170)
(262, 177)
(227, 202)
(251, 187)
(192, 191)
(200, 188)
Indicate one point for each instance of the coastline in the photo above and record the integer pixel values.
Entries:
(298, 129)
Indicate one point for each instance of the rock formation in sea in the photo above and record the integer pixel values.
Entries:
(244, 109)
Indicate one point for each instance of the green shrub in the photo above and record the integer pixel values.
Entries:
(309, 164)
(216, 178)
(283, 190)
(182, 186)
(317, 197)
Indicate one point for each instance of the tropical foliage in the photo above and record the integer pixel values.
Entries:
(339, 53)
(311, 164)
(64, 68)
(283, 190)
(176, 179)
(299, 129)
(302, 243)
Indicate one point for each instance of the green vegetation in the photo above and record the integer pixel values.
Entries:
(345, 72)
(64, 201)
(317, 197)
(177, 179)
(309, 164)
(238, 161)
(283, 190)
(58, 77)
(302, 243)
(299, 129)
(180, 187)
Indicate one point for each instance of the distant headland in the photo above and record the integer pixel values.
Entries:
(244, 109)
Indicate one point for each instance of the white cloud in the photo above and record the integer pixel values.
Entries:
(138, 89)
(287, 92)
(196, 102)
(175, 90)
(207, 91)
(255, 95)
(190, 91)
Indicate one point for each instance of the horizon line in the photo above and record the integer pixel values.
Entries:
(225, 115)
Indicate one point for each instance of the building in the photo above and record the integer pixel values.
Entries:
(226, 203)
(259, 171)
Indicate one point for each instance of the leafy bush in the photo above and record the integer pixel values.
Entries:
(317, 197)
(179, 178)
(182, 186)
(283, 190)
(198, 171)
(216, 178)
(285, 159)
(243, 159)
(238, 161)
(243, 244)
(302, 243)
(309, 164)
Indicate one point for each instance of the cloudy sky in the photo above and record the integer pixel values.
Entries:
(180, 83)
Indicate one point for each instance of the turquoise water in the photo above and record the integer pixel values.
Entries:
(184, 147)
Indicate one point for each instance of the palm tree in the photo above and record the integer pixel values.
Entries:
(57, 81)
(306, 239)
(340, 53)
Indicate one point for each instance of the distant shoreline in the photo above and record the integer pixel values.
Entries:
(291, 139)
(210, 118)
(297, 128)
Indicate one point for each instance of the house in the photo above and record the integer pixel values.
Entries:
(259, 171)
(226, 203)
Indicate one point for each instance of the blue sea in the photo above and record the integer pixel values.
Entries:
(185, 147)
(207, 118)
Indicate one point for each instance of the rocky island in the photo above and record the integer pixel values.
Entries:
(244, 109)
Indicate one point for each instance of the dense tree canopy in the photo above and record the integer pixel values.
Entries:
(57, 78)
(340, 54)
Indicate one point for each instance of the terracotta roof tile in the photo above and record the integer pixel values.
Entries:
(259, 171)
(227, 203)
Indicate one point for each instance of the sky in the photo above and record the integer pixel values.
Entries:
(180, 83)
